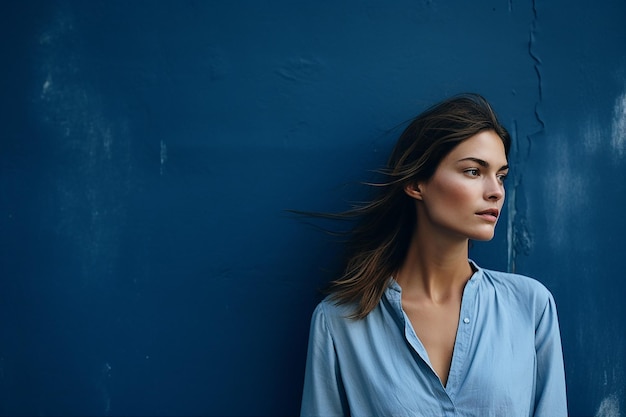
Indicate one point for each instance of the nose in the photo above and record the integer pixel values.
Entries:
(494, 189)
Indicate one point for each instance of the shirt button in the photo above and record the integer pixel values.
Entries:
(466, 320)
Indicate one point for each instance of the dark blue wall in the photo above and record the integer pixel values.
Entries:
(149, 150)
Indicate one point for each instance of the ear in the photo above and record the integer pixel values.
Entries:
(413, 190)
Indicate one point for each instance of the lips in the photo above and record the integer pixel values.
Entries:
(489, 213)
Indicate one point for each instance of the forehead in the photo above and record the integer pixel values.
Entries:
(485, 145)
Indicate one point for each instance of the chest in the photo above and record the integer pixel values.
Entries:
(385, 370)
(436, 327)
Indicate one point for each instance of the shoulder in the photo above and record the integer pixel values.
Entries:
(518, 292)
(520, 296)
(328, 314)
(338, 321)
(520, 285)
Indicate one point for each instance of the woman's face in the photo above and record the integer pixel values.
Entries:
(465, 195)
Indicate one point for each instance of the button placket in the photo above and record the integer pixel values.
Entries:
(461, 348)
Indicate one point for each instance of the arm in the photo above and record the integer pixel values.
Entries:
(550, 397)
(323, 390)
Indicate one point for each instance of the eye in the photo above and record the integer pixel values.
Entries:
(502, 177)
(472, 172)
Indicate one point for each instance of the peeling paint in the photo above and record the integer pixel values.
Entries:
(511, 255)
(512, 209)
(519, 235)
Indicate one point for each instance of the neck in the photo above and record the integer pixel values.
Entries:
(434, 269)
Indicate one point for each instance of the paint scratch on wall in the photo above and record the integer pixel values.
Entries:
(618, 127)
(46, 87)
(107, 142)
(609, 407)
(105, 375)
(163, 155)
(301, 70)
(91, 175)
(593, 136)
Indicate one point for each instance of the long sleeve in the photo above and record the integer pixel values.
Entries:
(550, 394)
(323, 393)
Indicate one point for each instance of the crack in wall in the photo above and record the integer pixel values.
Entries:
(519, 237)
(537, 62)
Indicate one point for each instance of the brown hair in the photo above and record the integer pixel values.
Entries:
(377, 245)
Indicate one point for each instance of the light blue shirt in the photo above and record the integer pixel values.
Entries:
(507, 358)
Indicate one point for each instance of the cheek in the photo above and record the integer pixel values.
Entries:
(454, 192)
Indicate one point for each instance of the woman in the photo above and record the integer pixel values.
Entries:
(415, 328)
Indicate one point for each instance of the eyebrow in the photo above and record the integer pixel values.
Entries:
(482, 163)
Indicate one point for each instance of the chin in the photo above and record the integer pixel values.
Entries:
(483, 237)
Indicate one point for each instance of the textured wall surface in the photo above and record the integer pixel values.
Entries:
(149, 150)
